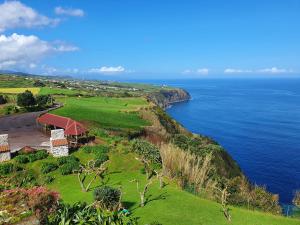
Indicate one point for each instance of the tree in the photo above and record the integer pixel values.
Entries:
(3, 100)
(38, 83)
(43, 100)
(142, 192)
(224, 202)
(26, 99)
(90, 169)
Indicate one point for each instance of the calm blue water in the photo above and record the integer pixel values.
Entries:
(256, 121)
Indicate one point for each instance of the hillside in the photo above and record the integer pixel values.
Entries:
(117, 121)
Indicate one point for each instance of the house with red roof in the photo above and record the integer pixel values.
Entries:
(73, 130)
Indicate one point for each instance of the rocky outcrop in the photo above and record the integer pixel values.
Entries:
(165, 98)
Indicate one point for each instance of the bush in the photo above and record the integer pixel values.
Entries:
(41, 154)
(48, 179)
(96, 149)
(32, 157)
(26, 99)
(22, 159)
(48, 167)
(3, 100)
(82, 213)
(100, 159)
(26, 178)
(6, 168)
(107, 197)
(69, 167)
(147, 150)
(66, 159)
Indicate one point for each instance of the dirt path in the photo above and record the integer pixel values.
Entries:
(23, 131)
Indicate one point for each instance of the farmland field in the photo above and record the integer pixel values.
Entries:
(35, 91)
(59, 91)
(106, 112)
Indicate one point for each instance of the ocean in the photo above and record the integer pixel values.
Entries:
(256, 121)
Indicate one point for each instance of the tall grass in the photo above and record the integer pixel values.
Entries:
(187, 168)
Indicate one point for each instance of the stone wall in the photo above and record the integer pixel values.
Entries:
(60, 151)
(57, 149)
(4, 155)
(3, 139)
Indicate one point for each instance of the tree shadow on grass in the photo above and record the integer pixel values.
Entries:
(128, 205)
(162, 196)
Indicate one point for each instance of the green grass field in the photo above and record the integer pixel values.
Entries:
(59, 91)
(169, 206)
(104, 112)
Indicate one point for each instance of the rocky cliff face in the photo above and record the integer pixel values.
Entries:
(165, 98)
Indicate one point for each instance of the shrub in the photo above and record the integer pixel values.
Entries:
(22, 159)
(25, 178)
(3, 99)
(6, 168)
(66, 159)
(41, 154)
(147, 150)
(100, 159)
(69, 167)
(32, 157)
(26, 99)
(96, 149)
(42, 201)
(81, 213)
(107, 197)
(48, 179)
(48, 167)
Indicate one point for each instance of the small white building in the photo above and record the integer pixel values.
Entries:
(58, 143)
(4, 148)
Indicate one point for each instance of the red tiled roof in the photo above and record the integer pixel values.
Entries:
(70, 126)
(59, 142)
(4, 148)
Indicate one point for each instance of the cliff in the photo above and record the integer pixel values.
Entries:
(165, 98)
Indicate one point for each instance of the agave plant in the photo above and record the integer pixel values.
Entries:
(83, 214)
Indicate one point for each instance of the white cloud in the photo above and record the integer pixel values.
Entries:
(275, 70)
(202, 71)
(21, 50)
(108, 70)
(69, 11)
(14, 14)
(230, 70)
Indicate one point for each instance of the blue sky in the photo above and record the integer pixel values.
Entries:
(147, 39)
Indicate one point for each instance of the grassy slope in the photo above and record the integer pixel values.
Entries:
(104, 111)
(169, 205)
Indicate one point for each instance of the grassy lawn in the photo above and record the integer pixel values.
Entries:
(34, 91)
(105, 112)
(169, 205)
(59, 91)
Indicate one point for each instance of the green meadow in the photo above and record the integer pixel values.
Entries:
(104, 112)
(169, 205)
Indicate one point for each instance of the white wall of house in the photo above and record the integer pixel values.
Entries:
(4, 156)
(58, 151)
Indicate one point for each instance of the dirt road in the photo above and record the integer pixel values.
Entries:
(23, 131)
